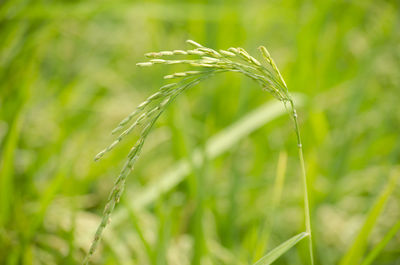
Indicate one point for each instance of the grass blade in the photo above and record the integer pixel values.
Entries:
(356, 251)
(267, 226)
(378, 248)
(281, 249)
(7, 156)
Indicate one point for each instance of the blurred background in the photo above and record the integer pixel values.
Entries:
(68, 76)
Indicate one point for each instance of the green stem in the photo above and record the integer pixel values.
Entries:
(304, 180)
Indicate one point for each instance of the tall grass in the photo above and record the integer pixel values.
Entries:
(208, 63)
(66, 75)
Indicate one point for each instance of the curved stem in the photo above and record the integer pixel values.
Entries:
(304, 181)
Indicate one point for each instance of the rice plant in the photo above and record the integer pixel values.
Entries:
(207, 63)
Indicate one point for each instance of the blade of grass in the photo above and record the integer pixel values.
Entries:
(164, 226)
(138, 229)
(7, 169)
(280, 179)
(357, 249)
(307, 216)
(267, 226)
(378, 248)
(281, 249)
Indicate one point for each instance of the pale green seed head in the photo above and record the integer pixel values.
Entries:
(145, 64)
(195, 44)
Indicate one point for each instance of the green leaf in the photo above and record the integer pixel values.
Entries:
(373, 254)
(357, 249)
(280, 250)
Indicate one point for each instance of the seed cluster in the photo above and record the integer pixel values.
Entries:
(233, 60)
(209, 62)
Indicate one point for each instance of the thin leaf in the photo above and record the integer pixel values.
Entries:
(357, 249)
(378, 248)
(281, 249)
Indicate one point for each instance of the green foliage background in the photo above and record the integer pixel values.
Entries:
(68, 76)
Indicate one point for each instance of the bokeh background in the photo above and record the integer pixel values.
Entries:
(68, 76)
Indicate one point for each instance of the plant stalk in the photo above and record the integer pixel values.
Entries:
(304, 181)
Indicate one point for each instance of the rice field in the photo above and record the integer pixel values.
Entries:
(219, 179)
